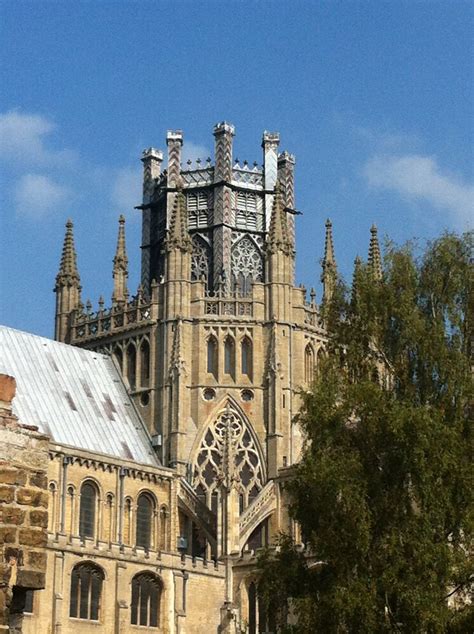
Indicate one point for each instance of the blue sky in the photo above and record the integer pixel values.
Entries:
(375, 99)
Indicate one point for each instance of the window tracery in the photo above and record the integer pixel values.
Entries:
(247, 265)
(209, 464)
(200, 260)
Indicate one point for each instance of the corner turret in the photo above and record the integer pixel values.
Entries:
(68, 287)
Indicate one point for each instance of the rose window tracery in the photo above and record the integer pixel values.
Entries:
(247, 265)
(228, 452)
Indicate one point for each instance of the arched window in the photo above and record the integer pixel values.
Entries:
(246, 357)
(146, 598)
(145, 363)
(308, 364)
(229, 356)
(131, 365)
(145, 508)
(118, 356)
(87, 510)
(86, 590)
(212, 356)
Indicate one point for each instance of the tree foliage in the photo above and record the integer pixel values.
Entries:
(384, 490)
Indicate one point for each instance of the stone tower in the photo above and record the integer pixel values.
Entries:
(218, 341)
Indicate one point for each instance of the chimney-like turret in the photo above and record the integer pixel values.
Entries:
(120, 271)
(270, 143)
(68, 287)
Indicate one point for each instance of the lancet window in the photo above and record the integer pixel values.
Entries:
(212, 352)
(228, 434)
(145, 363)
(87, 510)
(200, 260)
(145, 509)
(229, 357)
(246, 357)
(131, 365)
(247, 265)
(309, 363)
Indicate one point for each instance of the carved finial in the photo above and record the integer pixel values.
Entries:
(88, 307)
(101, 303)
(356, 280)
(120, 270)
(329, 274)
(278, 236)
(312, 295)
(178, 237)
(375, 259)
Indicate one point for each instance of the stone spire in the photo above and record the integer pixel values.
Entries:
(120, 271)
(356, 281)
(278, 235)
(329, 274)
(178, 236)
(68, 286)
(375, 259)
(68, 267)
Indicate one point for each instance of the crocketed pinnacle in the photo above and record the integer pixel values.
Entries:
(120, 270)
(356, 281)
(121, 259)
(329, 266)
(375, 259)
(68, 267)
(278, 235)
(178, 237)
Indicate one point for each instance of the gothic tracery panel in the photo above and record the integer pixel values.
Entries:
(228, 450)
(201, 260)
(247, 265)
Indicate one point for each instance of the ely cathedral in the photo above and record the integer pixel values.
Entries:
(146, 448)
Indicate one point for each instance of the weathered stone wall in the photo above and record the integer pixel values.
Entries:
(23, 510)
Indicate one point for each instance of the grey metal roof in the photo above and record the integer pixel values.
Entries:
(75, 396)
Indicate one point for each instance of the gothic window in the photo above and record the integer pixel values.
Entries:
(131, 365)
(308, 364)
(197, 209)
(146, 598)
(246, 357)
(145, 363)
(86, 590)
(212, 356)
(247, 265)
(200, 260)
(145, 508)
(229, 357)
(246, 212)
(87, 510)
(208, 464)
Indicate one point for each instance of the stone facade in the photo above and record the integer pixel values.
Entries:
(23, 510)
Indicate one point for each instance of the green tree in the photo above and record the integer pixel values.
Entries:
(384, 490)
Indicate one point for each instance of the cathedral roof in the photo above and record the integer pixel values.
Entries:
(75, 396)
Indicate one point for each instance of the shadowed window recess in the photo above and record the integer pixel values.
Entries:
(86, 592)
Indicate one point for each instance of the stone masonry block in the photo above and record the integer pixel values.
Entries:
(37, 560)
(32, 497)
(8, 535)
(7, 494)
(30, 579)
(39, 518)
(11, 475)
(12, 515)
(38, 479)
(33, 537)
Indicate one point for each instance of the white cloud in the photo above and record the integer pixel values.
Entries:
(418, 177)
(23, 138)
(36, 196)
(193, 151)
(126, 190)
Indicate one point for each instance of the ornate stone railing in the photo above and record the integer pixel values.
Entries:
(198, 177)
(263, 505)
(311, 315)
(232, 306)
(248, 176)
(87, 325)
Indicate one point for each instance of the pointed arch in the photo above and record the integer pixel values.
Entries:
(131, 365)
(144, 363)
(248, 456)
(212, 355)
(246, 357)
(247, 265)
(309, 364)
(201, 260)
(229, 356)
